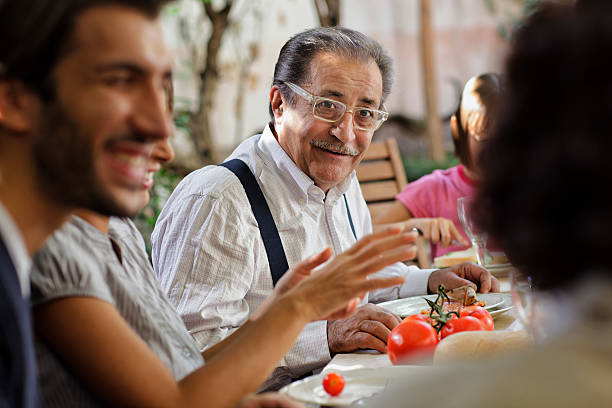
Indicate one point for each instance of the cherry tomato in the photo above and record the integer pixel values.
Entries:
(417, 317)
(333, 384)
(481, 314)
(465, 323)
(411, 338)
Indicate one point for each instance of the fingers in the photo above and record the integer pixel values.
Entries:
(371, 238)
(370, 264)
(400, 247)
(457, 235)
(364, 340)
(495, 285)
(307, 265)
(445, 232)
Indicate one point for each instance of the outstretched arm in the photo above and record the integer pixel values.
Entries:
(118, 366)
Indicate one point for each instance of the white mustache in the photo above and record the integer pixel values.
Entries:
(336, 148)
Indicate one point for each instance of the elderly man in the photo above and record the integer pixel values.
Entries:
(218, 254)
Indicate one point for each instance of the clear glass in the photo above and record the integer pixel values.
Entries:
(331, 110)
(523, 299)
(476, 235)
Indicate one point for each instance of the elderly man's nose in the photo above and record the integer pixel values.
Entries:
(343, 129)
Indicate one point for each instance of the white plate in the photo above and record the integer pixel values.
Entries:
(414, 305)
(359, 383)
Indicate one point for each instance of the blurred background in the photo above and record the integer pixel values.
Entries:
(225, 52)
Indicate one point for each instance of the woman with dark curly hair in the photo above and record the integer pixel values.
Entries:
(546, 197)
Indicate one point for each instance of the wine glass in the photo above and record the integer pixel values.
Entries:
(476, 235)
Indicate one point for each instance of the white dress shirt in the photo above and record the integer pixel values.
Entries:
(210, 259)
(15, 246)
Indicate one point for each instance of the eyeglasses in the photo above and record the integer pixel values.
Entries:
(330, 110)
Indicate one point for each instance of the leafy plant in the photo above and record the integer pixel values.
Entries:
(418, 166)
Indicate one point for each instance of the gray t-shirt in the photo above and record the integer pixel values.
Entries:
(79, 260)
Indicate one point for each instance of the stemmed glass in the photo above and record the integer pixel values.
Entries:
(476, 235)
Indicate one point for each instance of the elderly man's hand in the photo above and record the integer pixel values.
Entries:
(464, 274)
(368, 328)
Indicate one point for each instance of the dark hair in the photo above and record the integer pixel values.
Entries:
(294, 59)
(35, 33)
(486, 89)
(546, 191)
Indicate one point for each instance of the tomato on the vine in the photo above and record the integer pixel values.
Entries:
(412, 338)
(465, 323)
(333, 384)
(481, 314)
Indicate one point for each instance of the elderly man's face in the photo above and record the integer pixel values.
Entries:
(93, 142)
(328, 152)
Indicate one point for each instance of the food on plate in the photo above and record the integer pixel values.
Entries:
(455, 258)
(468, 255)
(479, 344)
(455, 300)
(333, 384)
(413, 339)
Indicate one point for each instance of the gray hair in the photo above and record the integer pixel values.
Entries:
(293, 64)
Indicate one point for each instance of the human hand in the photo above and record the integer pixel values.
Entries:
(335, 290)
(463, 274)
(267, 400)
(436, 230)
(368, 328)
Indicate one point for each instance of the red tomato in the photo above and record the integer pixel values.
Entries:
(412, 338)
(481, 314)
(465, 323)
(417, 317)
(333, 384)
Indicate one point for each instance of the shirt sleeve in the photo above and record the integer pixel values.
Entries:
(63, 269)
(417, 196)
(414, 285)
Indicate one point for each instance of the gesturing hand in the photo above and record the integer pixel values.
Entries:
(335, 290)
(369, 328)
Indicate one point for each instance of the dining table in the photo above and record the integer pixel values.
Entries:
(369, 371)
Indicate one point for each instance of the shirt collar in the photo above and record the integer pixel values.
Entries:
(274, 156)
(13, 240)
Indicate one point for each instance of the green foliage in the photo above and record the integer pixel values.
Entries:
(418, 166)
(165, 183)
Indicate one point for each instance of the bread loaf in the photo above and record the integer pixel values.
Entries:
(479, 344)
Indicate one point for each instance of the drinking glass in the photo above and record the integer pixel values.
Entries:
(475, 234)
(523, 299)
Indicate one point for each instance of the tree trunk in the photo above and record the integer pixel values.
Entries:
(328, 12)
(200, 120)
(433, 124)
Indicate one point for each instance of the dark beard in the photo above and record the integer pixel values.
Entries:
(64, 160)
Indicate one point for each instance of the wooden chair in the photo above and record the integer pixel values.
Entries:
(381, 176)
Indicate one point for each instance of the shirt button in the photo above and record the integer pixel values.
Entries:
(301, 201)
(186, 352)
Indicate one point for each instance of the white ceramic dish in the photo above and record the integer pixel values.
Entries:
(414, 305)
(359, 383)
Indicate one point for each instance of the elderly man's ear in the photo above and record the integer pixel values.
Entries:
(277, 102)
(18, 106)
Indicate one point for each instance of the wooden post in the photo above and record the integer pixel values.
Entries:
(433, 124)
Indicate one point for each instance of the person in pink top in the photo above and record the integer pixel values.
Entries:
(430, 203)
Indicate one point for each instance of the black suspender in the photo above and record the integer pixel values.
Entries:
(277, 259)
(267, 227)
